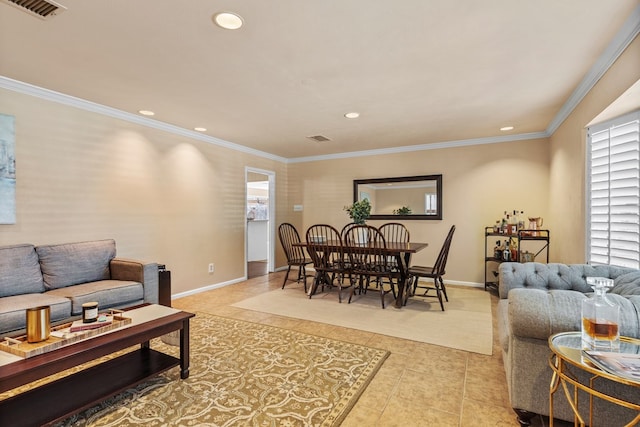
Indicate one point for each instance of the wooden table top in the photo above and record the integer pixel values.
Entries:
(392, 247)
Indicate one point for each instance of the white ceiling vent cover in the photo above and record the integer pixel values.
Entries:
(319, 138)
(40, 8)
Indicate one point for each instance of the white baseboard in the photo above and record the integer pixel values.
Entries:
(242, 279)
(208, 288)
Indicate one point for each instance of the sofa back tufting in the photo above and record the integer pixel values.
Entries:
(535, 275)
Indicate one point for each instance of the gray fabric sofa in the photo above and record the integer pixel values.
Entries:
(539, 300)
(67, 275)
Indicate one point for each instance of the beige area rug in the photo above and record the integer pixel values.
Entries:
(465, 324)
(246, 374)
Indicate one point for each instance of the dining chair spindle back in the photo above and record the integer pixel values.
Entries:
(369, 261)
(436, 272)
(295, 254)
(324, 245)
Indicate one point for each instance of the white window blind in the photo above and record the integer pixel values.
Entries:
(614, 192)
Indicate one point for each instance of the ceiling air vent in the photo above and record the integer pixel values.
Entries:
(319, 138)
(40, 8)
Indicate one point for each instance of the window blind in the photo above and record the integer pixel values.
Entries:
(614, 192)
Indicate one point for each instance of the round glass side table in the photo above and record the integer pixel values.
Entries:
(566, 352)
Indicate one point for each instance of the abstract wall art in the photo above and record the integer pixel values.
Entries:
(7, 170)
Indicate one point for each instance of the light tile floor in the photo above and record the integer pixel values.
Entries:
(418, 385)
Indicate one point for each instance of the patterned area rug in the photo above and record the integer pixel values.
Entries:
(246, 374)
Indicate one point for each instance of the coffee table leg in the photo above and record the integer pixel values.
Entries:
(184, 350)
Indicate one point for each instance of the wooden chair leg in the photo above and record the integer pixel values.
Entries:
(444, 290)
(286, 276)
(304, 276)
(314, 286)
(435, 280)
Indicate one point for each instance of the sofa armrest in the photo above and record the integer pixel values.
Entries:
(137, 271)
(538, 314)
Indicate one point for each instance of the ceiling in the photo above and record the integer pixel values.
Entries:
(418, 72)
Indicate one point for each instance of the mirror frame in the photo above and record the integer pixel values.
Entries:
(436, 178)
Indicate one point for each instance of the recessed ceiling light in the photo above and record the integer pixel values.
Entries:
(146, 112)
(200, 129)
(227, 20)
(506, 128)
(352, 115)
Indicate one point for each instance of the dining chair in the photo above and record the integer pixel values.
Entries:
(346, 228)
(295, 254)
(394, 232)
(324, 245)
(436, 272)
(370, 261)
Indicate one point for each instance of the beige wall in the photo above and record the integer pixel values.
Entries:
(479, 183)
(162, 197)
(568, 161)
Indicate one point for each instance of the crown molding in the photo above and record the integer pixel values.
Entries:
(424, 147)
(623, 38)
(83, 104)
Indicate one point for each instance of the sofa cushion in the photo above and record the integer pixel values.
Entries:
(19, 270)
(12, 309)
(627, 284)
(108, 293)
(75, 263)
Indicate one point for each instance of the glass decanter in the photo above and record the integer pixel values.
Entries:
(600, 318)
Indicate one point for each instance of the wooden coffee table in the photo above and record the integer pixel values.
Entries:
(66, 396)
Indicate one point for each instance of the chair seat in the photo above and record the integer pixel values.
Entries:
(295, 255)
(420, 270)
(436, 272)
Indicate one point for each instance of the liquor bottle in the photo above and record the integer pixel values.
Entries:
(497, 250)
(521, 221)
(514, 253)
(503, 224)
(514, 222)
(506, 253)
(600, 318)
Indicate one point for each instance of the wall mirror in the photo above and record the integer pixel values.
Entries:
(401, 198)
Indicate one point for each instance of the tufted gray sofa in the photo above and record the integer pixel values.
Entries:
(66, 276)
(539, 300)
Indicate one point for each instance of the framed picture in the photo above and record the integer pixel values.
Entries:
(7, 170)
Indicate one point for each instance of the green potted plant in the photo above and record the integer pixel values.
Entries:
(359, 211)
(405, 210)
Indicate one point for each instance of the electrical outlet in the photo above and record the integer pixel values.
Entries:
(211, 268)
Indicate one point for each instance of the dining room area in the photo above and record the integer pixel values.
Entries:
(358, 256)
(362, 277)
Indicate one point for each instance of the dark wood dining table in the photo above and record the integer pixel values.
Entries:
(400, 250)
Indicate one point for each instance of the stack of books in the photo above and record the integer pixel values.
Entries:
(103, 320)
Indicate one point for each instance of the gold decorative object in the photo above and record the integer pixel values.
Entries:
(38, 323)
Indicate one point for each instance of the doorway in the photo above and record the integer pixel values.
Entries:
(260, 214)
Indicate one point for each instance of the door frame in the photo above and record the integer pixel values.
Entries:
(271, 177)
